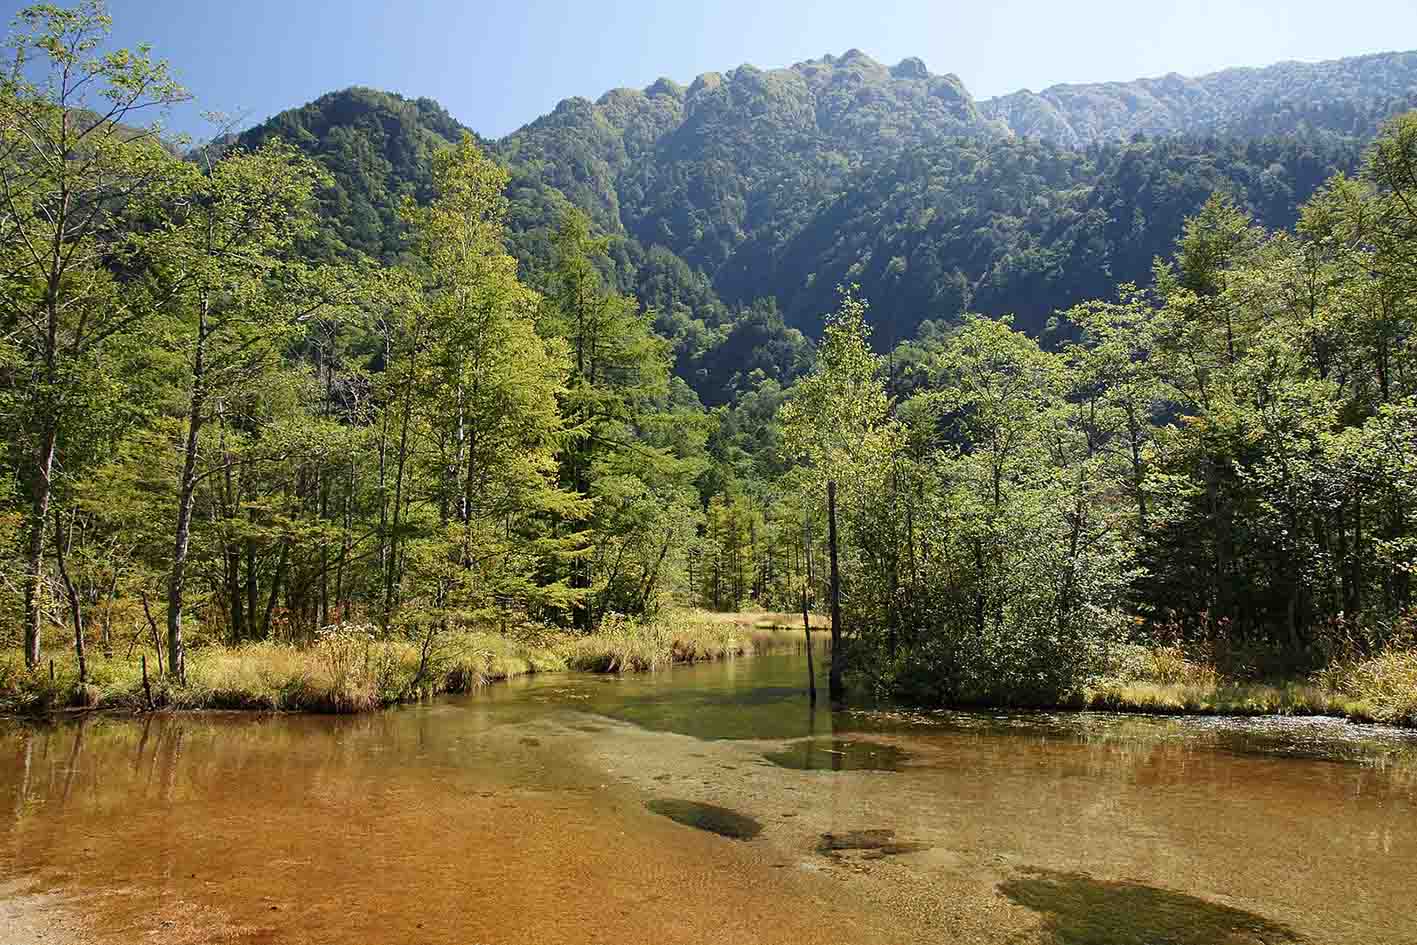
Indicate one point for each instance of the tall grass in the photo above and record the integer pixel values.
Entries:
(347, 669)
(353, 668)
(1166, 679)
(1382, 687)
(626, 644)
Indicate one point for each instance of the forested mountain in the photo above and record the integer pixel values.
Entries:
(1017, 226)
(378, 148)
(783, 184)
(751, 151)
(1342, 96)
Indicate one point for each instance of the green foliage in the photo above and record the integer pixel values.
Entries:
(377, 148)
(1226, 460)
(727, 555)
(482, 386)
(633, 446)
(1016, 227)
(264, 438)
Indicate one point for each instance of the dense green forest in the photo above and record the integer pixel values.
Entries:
(356, 371)
(757, 188)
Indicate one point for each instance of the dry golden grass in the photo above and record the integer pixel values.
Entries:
(1382, 687)
(1164, 679)
(625, 644)
(347, 670)
(756, 619)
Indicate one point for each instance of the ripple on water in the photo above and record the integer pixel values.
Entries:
(714, 819)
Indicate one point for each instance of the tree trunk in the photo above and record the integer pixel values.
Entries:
(187, 491)
(653, 577)
(232, 567)
(252, 581)
(231, 554)
(344, 541)
(324, 513)
(837, 688)
(981, 602)
(807, 629)
(391, 577)
(75, 611)
(275, 589)
(384, 557)
(40, 491)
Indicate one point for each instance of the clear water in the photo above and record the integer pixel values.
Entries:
(705, 804)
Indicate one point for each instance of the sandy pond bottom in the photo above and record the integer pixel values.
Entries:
(705, 805)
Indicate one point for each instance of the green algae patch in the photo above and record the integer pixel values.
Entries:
(839, 755)
(1081, 910)
(710, 817)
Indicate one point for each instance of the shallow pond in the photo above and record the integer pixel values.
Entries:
(705, 804)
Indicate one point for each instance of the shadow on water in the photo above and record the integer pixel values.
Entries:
(1081, 910)
(839, 755)
(719, 820)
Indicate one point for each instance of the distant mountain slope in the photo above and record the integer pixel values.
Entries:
(698, 169)
(1341, 96)
(1017, 226)
(377, 146)
(783, 184)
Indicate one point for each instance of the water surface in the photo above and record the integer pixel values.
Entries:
(705, 804)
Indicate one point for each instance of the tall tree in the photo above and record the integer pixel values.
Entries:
(490, 401)
(619, 452)
(74, 174)
(243, 300)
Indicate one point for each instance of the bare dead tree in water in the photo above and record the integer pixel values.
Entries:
(807, 629)
(836, 688)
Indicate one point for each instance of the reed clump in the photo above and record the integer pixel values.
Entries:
(1382, 687)
(628, 644)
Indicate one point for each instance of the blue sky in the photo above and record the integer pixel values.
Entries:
(497, 64)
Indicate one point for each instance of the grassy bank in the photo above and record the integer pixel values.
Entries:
(1381, 688)
(696, 636)
(349, 672)
(353, 670)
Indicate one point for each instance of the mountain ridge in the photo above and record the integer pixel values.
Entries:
(781, 184)
(1069, 113)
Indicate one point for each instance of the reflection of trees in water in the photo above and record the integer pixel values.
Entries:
(103, 765)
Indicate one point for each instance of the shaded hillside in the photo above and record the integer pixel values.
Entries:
(1018, 226)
